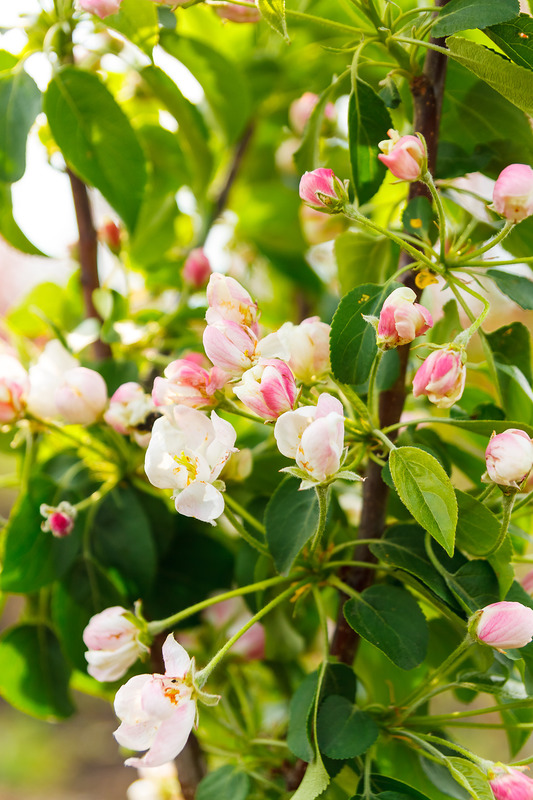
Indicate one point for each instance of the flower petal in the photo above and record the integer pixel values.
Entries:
(170, 738)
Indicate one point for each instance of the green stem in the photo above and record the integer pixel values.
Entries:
(322, 496)
(334, 581)
(464, 337)
(408, 14)
(500, 236)
(423, 740)
(248, 538)
(242, 512)
(487, 491)
(372, 394)
(525, 260)
(98, 495)
(233, 408)
(203, 675)
(160, 625)
(428, 180)
(507, 505)
(475, 712)
(325, 23)
(379, 434)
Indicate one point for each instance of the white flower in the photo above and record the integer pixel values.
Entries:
(46, 376)
(113, 644)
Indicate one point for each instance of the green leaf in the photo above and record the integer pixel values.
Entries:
(426, 490)
(363, 257)
(215, 73)
(419, 219)
(485, 428)
(515, 38)
(300, 708)
(273, 11)
(353, 341)
(517, 395)
(368, 123)
(121, 538)
(478, 528)
(307, 155)
(343, 731)
(20, 102)
(475, 584)
(462, 15)
(511, 344)
(192, 132)
(301, 508)
(471, 777)
(316, 780)
(96, 139)
(9, 229)
(390, 788)
(33, 674)
(33, 558)
(513, 82)
(227, 781)
(391, 620)
(517, 287)
(7, 60)
(137, 20)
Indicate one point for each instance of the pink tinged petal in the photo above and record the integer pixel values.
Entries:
(289, 428)
(387, 325)
(176, 658)
(201, 501)
(109, 629)
(513, 192)
(505, 625)
(231, 347)
(170, 739)
(110, 665)
(321, 445)
(229, 301)
(162, 695)
(319, 181)
(512, 785)
(327, 404)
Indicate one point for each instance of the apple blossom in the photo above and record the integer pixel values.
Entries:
(114, 644)
(509, 457)
(268, 388)
(156, 783)
(186, 453)
(238, 13)
(405, 156)
(157, 712)
(301, 109)
(323, 191)
(503, 625)
(59, 520)
(197, 269)
(314, 437)
(401, 319)
(129, 408)
(441, 377)
(188, 383)
(508, 783)
(230, 616)
(102, 8)
(513, 192)
(46, 376)
(14, 387)
(82, 396)
(305, 347)
(230, 302)
(230, 346)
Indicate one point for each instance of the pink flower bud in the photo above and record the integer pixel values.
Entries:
(401, 319)
(322, 190)
(405, 156)
(510, 784)
(82, 397)
(238, 13)
(59, 520)
(268, 389)
(111, 235)
(231, 347)
(509, 457)
(128, 408)
(14, 387)
(503, 625)
(513, 192)
(527, 582)
(197, 269)
(189, 384)
(301, 109)
(230, 302)
(102, 8)
(113, 644)
(441, 377)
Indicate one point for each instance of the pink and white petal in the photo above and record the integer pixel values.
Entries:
(176, 658)
(110, 665)
(289, 428)
(328, 404)
(201, 501)
(170, 738)
(128, 700)
(137, 737)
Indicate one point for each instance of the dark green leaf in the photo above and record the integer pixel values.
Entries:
(33, 674)
(419, 219)
(363, 257)
(427, 492)
(215, 73)
(391, 620)
(513, 82)
(391, 789)
(515, 38)
(343, 731)
(511, 344)
(475, 584)
(353, 341)
(273, 12)
(226, 781)
(137, 20)
(517, 395)
(9, 229)
(34, 558)
(301, 508)
(368, 123)
(517, 287)
(96, 139)
(20, 102)
(477, 527)
(300, 708)
(389, 92)
(462, 15)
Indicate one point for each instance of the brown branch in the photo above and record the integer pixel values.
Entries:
(87, 254)
(222, 199)
(427, 90)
